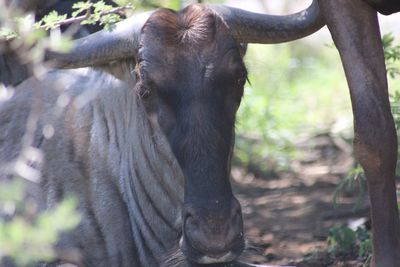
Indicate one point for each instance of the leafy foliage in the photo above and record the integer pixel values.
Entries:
(51, 20)
(81, 7)
(354, 181)
(364, 242)
(392, 54)
(26, 235)
(7, 34)
(342, 239)
(392, 58)
(277, 109)
(29, 39)
(85, 13)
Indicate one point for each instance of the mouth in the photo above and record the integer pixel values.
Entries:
(224, 258)
(198, 257)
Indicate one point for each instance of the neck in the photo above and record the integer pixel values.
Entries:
(149, 177)
(152, 184)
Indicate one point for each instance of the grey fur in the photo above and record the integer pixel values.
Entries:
(106, 151)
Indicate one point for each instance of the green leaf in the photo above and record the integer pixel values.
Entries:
(80, 7)
(51, 20)
(101, 7)
(341, 238)
(8, 34)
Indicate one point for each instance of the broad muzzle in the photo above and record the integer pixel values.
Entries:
(212, 231)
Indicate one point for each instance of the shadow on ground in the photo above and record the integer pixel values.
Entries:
(288, 216)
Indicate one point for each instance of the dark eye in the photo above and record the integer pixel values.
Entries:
(143, 90)
(144, 93)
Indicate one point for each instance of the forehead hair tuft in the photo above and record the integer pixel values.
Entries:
(195, 24)
(192, 25)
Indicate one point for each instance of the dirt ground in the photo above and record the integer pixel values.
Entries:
(287, 216)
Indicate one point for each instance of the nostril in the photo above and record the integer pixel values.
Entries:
(192, 230)
(194, 233)
(192, 225)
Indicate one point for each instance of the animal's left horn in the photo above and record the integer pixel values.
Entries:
(249, 27)
(102, 47)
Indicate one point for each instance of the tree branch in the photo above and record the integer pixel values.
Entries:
(78, 19)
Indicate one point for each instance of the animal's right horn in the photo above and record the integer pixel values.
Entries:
(249, 27)
(102, 47)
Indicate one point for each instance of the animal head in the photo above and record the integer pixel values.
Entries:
(189, 74)
(191, 66)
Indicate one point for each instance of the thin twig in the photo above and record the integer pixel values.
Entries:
(87, 15)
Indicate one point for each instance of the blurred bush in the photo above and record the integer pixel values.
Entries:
(27, 235)
(296, 91)
(343, 240)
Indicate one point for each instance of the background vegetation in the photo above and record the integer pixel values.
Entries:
(293, 94)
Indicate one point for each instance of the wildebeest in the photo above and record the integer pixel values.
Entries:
(159, 137)
(385, 7)
(147, 148)
(355, 30)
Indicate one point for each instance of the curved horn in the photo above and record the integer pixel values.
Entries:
(249, 27)
(102, 47)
